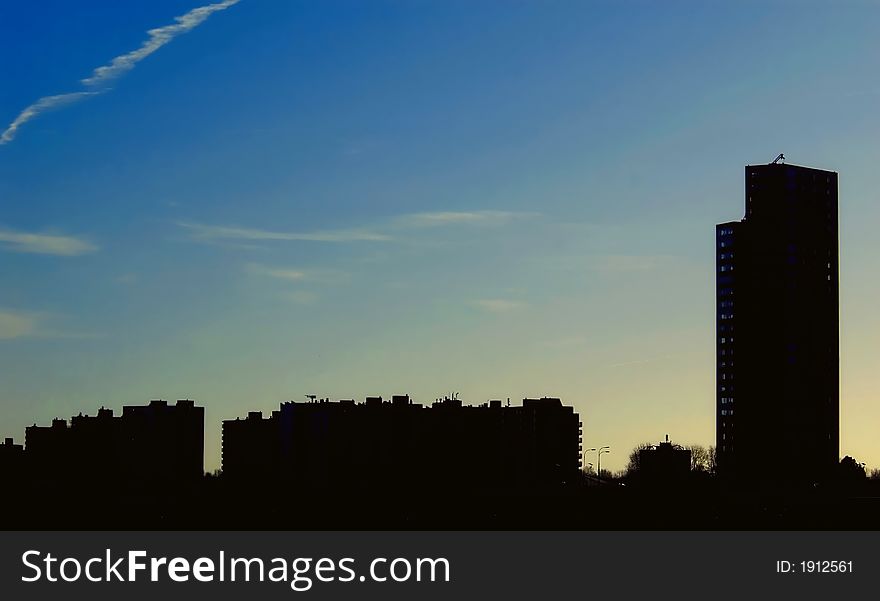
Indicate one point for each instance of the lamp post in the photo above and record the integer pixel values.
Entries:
(584, 455)
(599, 452)
(584, 459)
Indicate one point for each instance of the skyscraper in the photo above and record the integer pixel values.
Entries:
(777, 373)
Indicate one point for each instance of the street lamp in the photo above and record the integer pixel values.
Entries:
(584, 455)
(599, 452)
(584, 459)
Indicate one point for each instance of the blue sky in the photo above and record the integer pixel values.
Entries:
(347, 198)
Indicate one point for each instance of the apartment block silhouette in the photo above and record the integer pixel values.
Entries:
(777, 328)
(146, 447)
(323, 445)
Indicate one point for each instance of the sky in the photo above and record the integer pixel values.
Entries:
(246, 202)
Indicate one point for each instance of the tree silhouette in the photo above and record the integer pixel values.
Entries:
(634, 464)
(850, 470)
(702, 458)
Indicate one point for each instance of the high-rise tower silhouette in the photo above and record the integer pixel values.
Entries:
(777, 346)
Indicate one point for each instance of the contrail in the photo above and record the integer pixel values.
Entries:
(116, 67)
(46, 103)
(158, 38)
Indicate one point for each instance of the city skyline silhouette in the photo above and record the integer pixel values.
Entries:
(398, 463)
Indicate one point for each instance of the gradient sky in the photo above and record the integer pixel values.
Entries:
(500, 199)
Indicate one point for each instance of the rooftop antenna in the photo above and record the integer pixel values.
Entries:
(781, 157)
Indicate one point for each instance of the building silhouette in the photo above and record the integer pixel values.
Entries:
(777, 328)
(12, 466)
(147, 447)
(664, 463)
(397, 444)
(164, 443)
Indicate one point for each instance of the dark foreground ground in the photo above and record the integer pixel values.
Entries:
(217, 505)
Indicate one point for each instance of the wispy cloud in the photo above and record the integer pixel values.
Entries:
(298, 275)
(47, 103)
(44, 244)
(445, 218)
(16, 325)
(379, 233)
(103, 75)
(158, 38)
(293, 275)
(210, 233)
(498, 305)
(289, 275)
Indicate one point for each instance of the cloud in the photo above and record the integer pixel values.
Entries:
(299, 276)
(116, 67)
(498, 305)
(44, 244)
(16, 325)
(290, 274)
(226, 233)
(445, 218)
(293, 275)
(210, 233)
(26, 324)
(157, 38)
(47, 103)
